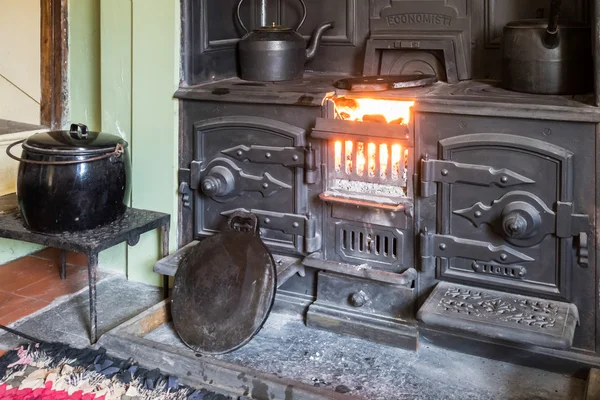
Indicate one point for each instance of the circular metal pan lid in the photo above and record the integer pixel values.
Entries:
(224, 288)
(76, 141)
(380, 83)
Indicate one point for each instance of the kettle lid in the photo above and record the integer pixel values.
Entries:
(274, 28)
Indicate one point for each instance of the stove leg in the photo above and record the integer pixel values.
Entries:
(63, 264)
(165, 252)
(92, 270)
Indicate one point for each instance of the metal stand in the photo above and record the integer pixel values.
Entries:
(128, 228)
(63, 264)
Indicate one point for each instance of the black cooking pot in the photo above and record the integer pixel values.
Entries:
(72, 180)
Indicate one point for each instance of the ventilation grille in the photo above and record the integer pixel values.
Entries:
(368, 244)
(517, 272)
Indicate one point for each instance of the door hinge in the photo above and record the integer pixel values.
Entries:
(292, 224)
(444, 171)
(447, 246)
(291, 157)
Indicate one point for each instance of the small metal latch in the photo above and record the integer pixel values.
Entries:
(443, 171)
(293, 224)
(291, 157)
(184, 187)
(578, 225)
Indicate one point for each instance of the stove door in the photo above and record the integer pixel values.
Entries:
(255, 165)
(505, 217)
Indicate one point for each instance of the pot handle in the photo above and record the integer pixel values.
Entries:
(119, 149)
(239, 17)
(551, 38)
(78, 131)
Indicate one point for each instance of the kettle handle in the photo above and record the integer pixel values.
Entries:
(239, 17)
(550, 38)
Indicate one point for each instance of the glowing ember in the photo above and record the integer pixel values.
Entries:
(354, 158)
(373, 110)
(349, 158)
(372, 159)
(338, 156)
(397, 164)
(383, 161)
(360, 158)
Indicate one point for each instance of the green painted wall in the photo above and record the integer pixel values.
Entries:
(84, 63)
(115, 93)
(155, 77)
(86, 93)
(139, 60)
(13, 249)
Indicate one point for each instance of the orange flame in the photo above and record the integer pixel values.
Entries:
(383, 161)
(360, 158)
(349, 156)
(372, 159)
(338, 155)
(397, 163)
(373, 110)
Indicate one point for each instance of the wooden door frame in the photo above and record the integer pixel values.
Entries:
(54, 52)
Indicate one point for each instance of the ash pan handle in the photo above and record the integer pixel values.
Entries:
(243, 222)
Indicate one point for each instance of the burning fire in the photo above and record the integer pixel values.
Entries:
(383, 161)
(345, 158)
(373, 110)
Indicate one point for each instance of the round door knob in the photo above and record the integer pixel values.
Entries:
(211, 186)
(515, 225)
(218, 182)
(520, 220)
(358, 299)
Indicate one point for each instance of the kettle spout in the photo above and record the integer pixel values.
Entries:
(315, 40)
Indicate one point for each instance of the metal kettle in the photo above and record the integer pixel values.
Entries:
(547, 57)
(276, 53)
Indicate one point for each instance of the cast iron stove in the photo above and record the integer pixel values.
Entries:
(401, 220)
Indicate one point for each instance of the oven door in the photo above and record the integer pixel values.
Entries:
(234, 170)
(505, 215)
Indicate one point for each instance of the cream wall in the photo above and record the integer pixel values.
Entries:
(20, 87)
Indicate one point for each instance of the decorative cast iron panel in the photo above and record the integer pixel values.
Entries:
(516, 218)
(501, 315)
(223, 181)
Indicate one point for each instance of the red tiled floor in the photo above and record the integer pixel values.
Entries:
(33, 282)
(54, 255)
(23, 272)
(52, 286)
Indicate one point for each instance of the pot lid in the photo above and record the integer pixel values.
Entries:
(224, 288)
(76, 140)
